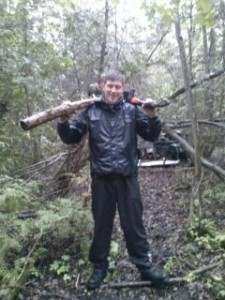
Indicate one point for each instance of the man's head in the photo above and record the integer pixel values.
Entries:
(112, 84)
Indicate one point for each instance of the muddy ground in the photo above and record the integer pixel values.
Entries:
(165, 194)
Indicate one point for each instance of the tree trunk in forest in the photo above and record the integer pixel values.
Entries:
(222, 97)
(209, 60)
(208, 111)
(104, 40)
(190, 36)
(34, 138)
(196, 191)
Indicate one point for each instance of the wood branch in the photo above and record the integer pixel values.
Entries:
(196, 83)
(71, 107)
(171, 281)
(209, 165)
(156, 46)
(184, 124)
(54, 112)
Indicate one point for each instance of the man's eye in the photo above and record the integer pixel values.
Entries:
(117, 87)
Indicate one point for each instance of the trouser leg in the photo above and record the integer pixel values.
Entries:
(103, 209)
(130, 212)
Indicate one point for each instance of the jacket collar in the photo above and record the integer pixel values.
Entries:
(111, 107)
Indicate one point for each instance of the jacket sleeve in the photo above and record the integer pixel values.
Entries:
(148, 128)
(72, 131)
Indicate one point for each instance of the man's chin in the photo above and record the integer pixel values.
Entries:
(112, 101)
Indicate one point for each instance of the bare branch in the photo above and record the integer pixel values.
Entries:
(184, 279)
(196, 83)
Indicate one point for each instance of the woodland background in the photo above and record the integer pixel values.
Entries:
(51, 51)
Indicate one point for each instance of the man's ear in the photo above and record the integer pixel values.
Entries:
(125, 95)
(128, 95)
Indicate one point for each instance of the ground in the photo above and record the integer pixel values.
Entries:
(165, 194)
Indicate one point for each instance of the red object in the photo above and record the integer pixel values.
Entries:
(135, 100)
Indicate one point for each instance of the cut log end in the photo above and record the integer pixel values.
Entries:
(24, 125)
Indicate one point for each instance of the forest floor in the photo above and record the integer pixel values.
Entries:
(165, 195)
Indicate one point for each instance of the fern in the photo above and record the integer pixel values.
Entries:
(60, 227)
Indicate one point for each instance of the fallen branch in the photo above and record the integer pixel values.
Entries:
(187, 123)
(196, 83)
(216, 169)
(184, 279)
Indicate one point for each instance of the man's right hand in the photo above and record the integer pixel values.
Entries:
(66, 117)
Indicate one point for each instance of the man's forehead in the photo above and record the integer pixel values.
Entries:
(114, 82)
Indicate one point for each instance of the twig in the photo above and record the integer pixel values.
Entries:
(186, 262)
(77, 281)
(170, 280)
(54, 295)
(27, 259)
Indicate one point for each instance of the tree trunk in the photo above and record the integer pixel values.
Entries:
(191, 109)
(104, 40)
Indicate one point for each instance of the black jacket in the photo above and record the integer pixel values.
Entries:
(112, 136)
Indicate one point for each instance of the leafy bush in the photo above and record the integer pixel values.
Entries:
(58, 228)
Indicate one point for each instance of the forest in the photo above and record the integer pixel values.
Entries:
(53, 51)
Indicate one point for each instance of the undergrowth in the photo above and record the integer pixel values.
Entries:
(34, 235)
(204, 246)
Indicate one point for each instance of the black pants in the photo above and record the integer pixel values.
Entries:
(107, 195)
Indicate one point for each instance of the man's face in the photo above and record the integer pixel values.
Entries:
(113, 91)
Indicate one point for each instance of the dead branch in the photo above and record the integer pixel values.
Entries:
(184, 279)
(54, 112)
(216, 169)
(187, 123)
(196, 83)
(156, 46)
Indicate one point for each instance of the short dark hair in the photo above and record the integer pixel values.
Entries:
(112, 75)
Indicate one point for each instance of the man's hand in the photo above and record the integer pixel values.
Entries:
(65, 118)
(150, 107)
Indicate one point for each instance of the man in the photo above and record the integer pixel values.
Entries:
(113, 125)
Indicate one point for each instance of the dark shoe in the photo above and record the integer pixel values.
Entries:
(96, 279)
(154, 275)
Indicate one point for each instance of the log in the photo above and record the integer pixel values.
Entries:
(71, 107)
(55, 112)
(207, 164)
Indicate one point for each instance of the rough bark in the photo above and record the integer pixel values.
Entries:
(54, 112)
(71, 107)
(196, 191)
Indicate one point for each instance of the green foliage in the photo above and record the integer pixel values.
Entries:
(167, 11)
(207, 236)
(204, 15)
(170, 265)
(60, 229)
(216, 194)
(15, 194)
(61, 267)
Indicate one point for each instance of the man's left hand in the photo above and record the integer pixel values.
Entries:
(150, 107)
